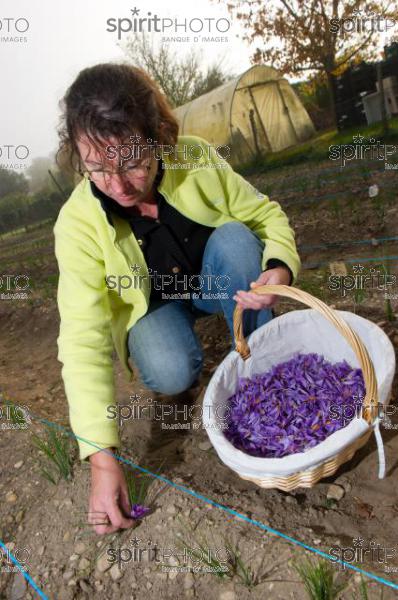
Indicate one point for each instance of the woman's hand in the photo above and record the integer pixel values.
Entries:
(279, 275)
(108, 497)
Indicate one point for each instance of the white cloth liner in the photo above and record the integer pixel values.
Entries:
(297, 331)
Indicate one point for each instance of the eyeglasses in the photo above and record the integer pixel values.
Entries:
(107, 173)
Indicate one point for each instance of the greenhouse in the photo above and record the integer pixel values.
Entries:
(255, 113)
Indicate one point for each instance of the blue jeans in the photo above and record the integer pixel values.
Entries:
(163, 344)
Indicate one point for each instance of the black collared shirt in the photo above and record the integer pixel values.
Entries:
(172, 244)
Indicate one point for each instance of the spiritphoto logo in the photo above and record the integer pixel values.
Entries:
(195, 559)
(14, 416)
(345, 412)
(14, 287)
(359, 22)
(22, 555)
(136, 150)
(13, 30)
(13, 157)
(184, 415)
(360, 150)
(198, 28)
(205, 286)
(361, 279)
(361, 551)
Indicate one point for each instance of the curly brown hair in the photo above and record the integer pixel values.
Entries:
(111, 99)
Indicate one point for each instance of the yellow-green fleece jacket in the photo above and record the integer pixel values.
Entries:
(94, 318)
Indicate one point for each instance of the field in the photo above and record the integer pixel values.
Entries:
(337, 216)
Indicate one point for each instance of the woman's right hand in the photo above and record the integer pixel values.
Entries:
(108, 496)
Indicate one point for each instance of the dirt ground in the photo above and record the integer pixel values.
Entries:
(65, 557)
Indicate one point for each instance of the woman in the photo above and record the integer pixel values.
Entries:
(159, 231)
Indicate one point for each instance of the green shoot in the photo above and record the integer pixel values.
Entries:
(141, 487)
(336, 209)
(201, 550)
(363, 590)
(365, 172)
(379, 206)
(319, 580)
(359, 297)
(387, 304)
(303, 185)
(18, 415)
(57, 452)
(242, 570)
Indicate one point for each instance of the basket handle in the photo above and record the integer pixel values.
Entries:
(371, 397)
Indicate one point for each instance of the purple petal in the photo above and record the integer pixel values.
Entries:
(138, 511)
(294, 406)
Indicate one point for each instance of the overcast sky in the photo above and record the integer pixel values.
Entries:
(64, 37)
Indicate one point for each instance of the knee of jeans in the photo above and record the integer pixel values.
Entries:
(230, 238)
(233, 228)
(176, 376)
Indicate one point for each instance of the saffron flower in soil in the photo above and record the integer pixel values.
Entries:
(138, 511)
(294, 406)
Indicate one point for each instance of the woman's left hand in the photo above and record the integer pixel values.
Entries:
(279, 275)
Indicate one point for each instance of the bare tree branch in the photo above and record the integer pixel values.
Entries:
(181, 79)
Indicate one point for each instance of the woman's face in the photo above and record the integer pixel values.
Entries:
(129, 187)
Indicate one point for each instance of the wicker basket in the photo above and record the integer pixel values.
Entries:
(310, 477)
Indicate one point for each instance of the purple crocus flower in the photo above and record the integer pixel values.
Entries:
(294, 406)
(138, 511)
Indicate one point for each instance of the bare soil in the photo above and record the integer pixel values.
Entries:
(49, 520)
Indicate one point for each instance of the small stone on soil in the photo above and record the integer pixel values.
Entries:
(335, 492)
(116, 573)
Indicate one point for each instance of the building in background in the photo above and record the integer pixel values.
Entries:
(358, 95)
(254, 114)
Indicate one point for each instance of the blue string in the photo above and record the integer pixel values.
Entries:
(24, 573)
(321, 198)
(345, 242)
(332, 170)
(351, 260)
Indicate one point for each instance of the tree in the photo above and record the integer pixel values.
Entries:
(38, 172)
(213, 78)
(312, 35)
(180, 78)
(11, 182)
(314, 94)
